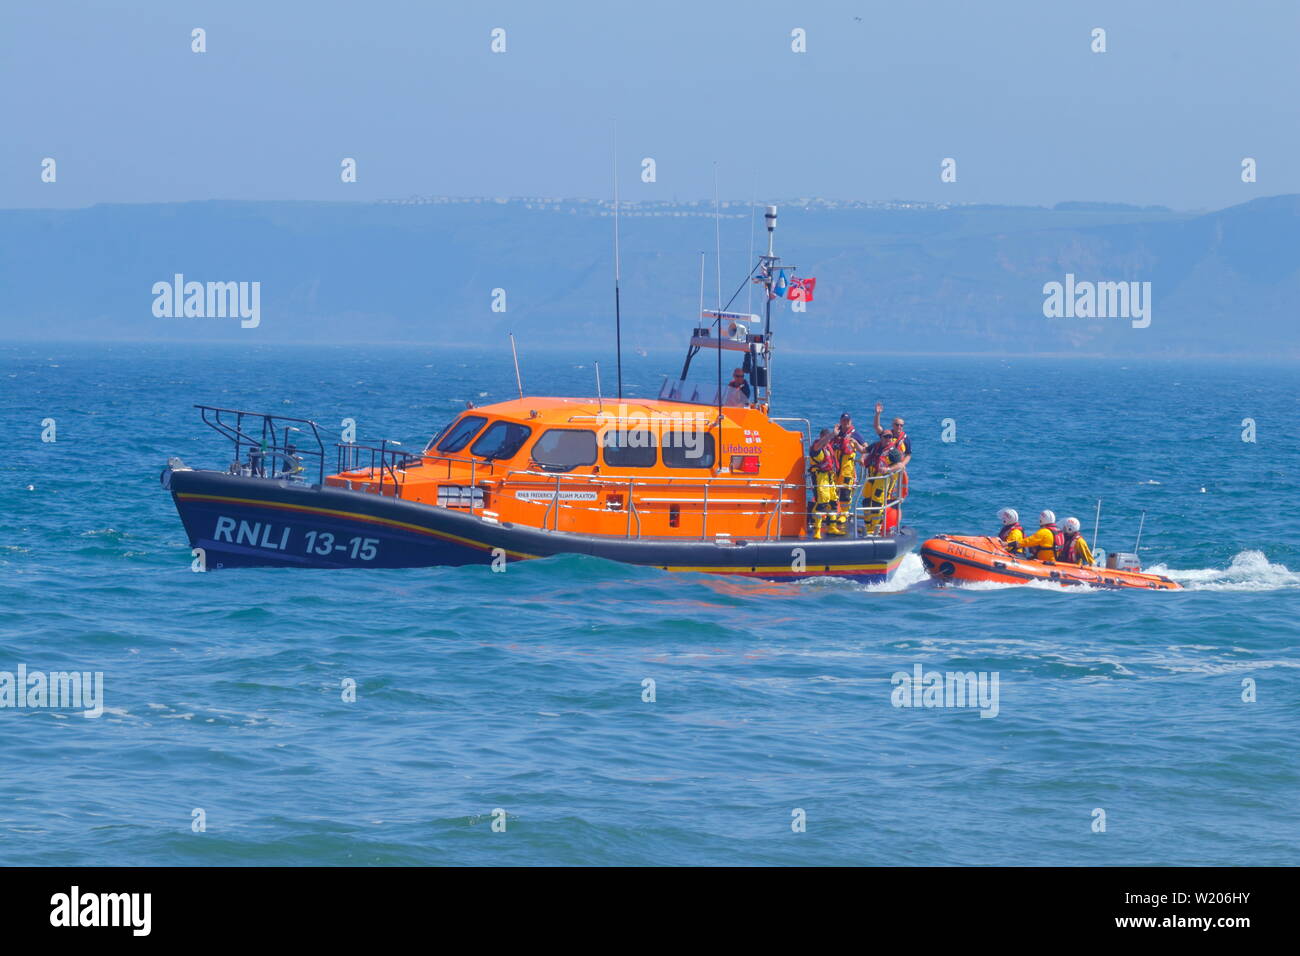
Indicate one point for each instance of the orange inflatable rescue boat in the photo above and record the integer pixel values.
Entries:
(956, 558)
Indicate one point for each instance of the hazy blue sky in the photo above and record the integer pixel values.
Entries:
(1009, 88)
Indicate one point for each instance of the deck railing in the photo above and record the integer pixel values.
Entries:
(781, 499)
(383, 462)
(276, 446)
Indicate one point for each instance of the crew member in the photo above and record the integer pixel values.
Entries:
(848, 446)
(882, 459)
(1012, 534)
(1073, 550)
(1045, 543)
(901, 441)
(824, 466)
(737, 388)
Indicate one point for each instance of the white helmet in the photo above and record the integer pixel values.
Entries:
(1008, 516)
(1071, 525)
(1047, 516)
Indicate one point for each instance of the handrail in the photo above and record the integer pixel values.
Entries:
(771, 505)
(271, 441)
(891, 500)
(388, 462)
(600, 479)
(771, 493)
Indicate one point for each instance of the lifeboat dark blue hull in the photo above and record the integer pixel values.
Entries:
(241, 521)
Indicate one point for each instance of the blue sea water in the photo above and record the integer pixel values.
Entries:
(523, 691)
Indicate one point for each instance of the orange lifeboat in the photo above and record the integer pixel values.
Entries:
(987, 558)
(700, 478)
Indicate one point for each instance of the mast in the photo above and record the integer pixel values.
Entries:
(768, 261)
(757, 347)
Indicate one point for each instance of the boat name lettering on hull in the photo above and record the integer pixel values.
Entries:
(257, 534)
(264, 534)
(541, 495)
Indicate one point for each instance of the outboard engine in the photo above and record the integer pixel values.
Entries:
(1122, 561)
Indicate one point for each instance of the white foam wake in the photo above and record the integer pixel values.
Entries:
(1249, 571)
(910, 573)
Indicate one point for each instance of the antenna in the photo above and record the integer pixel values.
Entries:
(618, 318)
(701, 283)
(515, 352)
(1095, 526)
(1139, 538)
(753, 218)
(717, 239)
(600, 402)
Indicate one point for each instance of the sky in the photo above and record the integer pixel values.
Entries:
(885, 92)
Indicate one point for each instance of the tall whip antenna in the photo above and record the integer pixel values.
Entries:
(753, 218)
(717, 240)
(515, 352)
(618, 318)
(1095, 526)
(702, 254)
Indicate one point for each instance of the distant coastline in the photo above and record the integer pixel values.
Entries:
(895, 277)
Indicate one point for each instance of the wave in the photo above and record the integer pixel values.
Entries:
(911, 574)
(1248, 571)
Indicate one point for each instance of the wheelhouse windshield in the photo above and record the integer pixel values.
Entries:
(456, 436)
(501, 440)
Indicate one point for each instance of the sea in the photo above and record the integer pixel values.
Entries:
(573, 711)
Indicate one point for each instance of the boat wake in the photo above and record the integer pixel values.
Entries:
(909, 576)
(1248, 571)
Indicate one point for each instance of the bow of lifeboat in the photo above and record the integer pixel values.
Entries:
(987, 559)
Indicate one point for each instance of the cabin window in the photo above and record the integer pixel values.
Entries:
(563, 449)
(689, 448)
(501, 440)
(459, 434)
(629, 447)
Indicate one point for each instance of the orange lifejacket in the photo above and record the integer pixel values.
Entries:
(878, 450)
